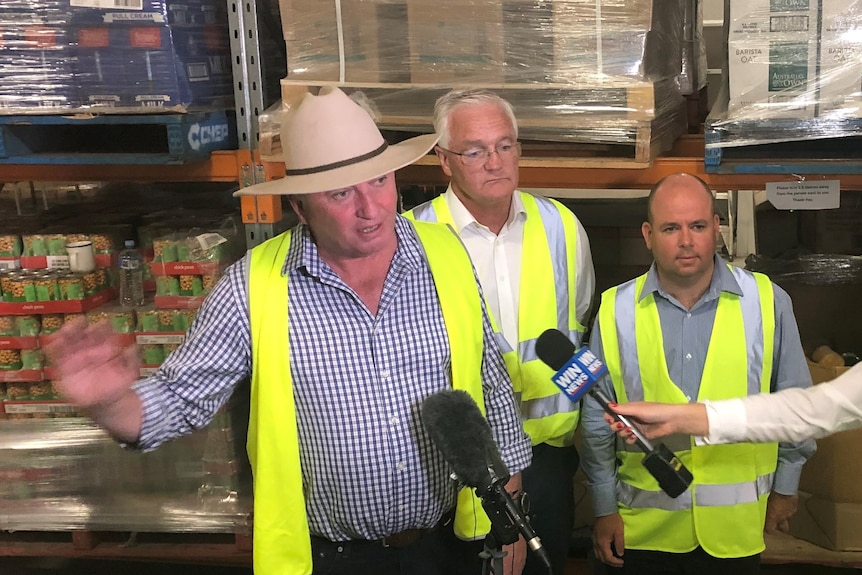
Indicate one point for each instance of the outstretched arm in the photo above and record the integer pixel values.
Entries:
(790, 415)
(96, 375)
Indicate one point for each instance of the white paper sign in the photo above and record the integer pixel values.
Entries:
(814, 195)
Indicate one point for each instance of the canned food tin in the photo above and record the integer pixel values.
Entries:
(28, 325)
(35, 245)
(10, 246)
(148, 320)
(72, 317)
(209, 282)
(152, 354)
(10, 359)
(51, 322)
(6, 284)
(166, 319)
(22, 288)
(56, 244)
(7, 326)
(167, 285)
(71, 286)
(191, 285)
(32, 359)
(17, 391)
(164, 250)
(91, 282)
(102, 243)
(41, 390)
(45, 284)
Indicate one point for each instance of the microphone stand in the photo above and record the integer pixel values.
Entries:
(492, 556)
(503, 512)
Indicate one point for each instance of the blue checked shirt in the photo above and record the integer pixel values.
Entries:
(369, 470)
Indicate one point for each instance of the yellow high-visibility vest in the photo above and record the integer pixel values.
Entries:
(282, 544)
(547, 300)
(724, 509)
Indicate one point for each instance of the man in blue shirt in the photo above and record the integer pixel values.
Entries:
(691, 329)
(365, 341)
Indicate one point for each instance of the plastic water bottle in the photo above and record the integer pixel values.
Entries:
(131, 276)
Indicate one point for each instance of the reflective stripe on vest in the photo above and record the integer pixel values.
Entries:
(548, 259)
(725, 507)
(282, 544)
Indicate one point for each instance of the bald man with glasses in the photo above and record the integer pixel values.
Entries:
(533, 260)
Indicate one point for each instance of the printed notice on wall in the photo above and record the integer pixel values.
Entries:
(815, 195)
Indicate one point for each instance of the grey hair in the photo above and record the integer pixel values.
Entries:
(447, 103)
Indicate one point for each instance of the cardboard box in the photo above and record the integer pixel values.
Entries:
(373, 39)
(159, 12)
(772, 57)
(455, 40)
(828, 524)
(637, 38)
(153, 66)
(840, 58)
(832, 473)
(821, 373)
(574, 40)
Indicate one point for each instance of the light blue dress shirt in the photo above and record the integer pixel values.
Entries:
(686, 336)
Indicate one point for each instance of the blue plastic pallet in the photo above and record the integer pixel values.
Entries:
(794, 147)
(115, 139)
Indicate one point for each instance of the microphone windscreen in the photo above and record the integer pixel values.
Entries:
(458, 429)
(554, 348)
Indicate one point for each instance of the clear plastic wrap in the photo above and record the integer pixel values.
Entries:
(68, 474)
(573, 69)
(825, 290)
(171, 54)
(810, 269)
(793, 73)
(503, 41)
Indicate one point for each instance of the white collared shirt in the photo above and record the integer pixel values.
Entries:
(497, 258)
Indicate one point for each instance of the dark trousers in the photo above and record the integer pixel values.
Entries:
(549, 483)
(436, 553)
(697, 562)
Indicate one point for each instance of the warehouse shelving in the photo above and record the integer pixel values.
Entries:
(245, 167)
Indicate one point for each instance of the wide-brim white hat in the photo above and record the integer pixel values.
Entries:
(330, 142)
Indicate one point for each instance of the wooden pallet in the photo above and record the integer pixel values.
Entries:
(587, 141)
(115, 139)
(796, 146)
(785, 548)
(410, 105)
(211, 548)
(839, 155)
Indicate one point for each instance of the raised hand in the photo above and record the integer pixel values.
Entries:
(95, 373)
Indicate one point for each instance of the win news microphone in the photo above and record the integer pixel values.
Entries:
(458, 429)
(577, 373)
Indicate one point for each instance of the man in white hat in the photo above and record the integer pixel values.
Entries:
(533, 259)
(382, 313)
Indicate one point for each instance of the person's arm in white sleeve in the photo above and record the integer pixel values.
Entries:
(789, 415)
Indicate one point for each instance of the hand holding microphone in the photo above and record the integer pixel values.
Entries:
(577, 373)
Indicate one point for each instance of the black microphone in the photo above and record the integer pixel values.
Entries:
(458, 429)
(577, 374)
